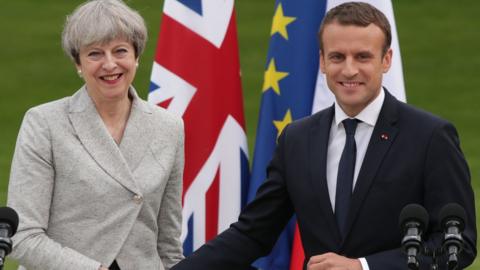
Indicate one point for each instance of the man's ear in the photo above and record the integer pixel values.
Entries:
(387, 60)
(322, 62)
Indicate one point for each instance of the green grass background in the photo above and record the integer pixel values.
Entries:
(439, 43)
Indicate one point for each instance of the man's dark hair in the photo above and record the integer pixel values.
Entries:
(359, 14)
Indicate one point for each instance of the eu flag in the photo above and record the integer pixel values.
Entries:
(287, 94)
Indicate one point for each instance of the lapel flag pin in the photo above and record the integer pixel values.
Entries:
(384, 136)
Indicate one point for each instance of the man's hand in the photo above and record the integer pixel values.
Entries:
(332, 261)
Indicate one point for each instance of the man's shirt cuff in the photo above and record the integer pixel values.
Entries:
(364, 264)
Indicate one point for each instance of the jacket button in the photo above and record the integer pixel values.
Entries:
(137, 199)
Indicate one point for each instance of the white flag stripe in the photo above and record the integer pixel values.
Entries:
(226, 158)
(212, 24)
(172, 87)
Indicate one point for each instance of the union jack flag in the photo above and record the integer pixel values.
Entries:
(196, 75)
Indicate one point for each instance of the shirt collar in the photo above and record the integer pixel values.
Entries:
(368, 115)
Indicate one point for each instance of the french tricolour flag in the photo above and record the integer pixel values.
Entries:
(196, 75)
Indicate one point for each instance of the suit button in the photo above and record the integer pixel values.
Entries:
(137, 199)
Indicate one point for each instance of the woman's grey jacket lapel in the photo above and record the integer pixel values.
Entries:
(118, 161)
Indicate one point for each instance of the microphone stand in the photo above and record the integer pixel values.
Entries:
(5, 248)
(434, 254)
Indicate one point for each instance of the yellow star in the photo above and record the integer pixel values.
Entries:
(272, 76)
(280, 125)
(280, 22)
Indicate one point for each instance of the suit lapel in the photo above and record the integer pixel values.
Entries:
(138, 133)
(97, 141)
(382, 138)
(318, 140)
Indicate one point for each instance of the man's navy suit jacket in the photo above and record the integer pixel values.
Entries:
(412, 157)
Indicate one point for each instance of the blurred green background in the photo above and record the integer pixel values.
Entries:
(439, 43)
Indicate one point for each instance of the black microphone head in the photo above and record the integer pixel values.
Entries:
(453, 211)
(9, 216)
(414, 212)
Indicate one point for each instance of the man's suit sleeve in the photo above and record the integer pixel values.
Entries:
(446, 180)
(257, 229)
(30, 193)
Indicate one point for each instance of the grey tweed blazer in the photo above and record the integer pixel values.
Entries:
(83, 200)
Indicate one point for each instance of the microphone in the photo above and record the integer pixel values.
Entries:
(413, 221)
(8, 227)
(452, 218)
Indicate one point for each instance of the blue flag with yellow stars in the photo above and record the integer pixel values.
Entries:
(287, 94)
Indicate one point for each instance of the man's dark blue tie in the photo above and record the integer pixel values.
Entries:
(346, 169)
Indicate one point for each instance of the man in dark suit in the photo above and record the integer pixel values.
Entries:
(347, 171)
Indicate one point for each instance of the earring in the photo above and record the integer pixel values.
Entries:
(136, 64)
(80, 73)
